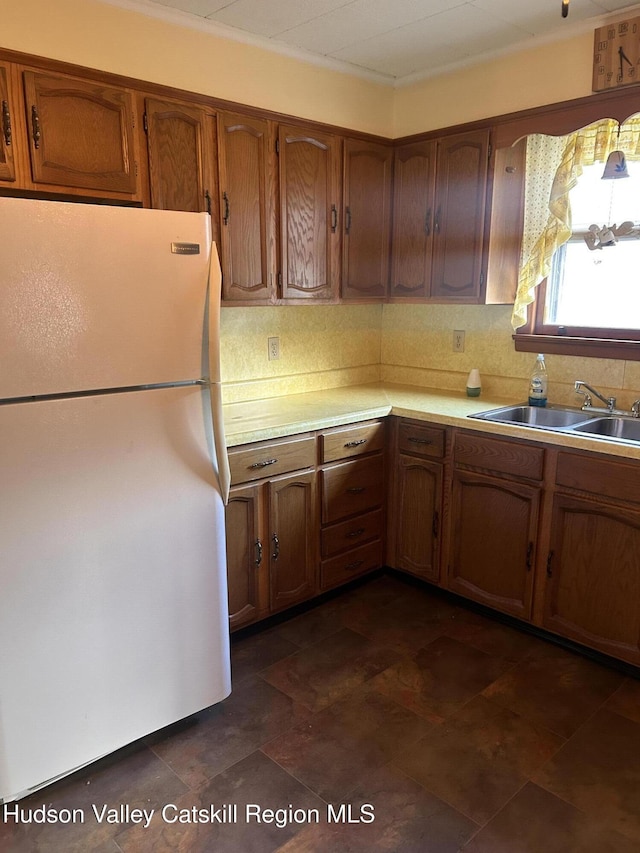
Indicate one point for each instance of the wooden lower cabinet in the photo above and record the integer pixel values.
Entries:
(292, 538)
(419, 517)
(592, 592)
(271, 530)
(246, 562)
(494, 532)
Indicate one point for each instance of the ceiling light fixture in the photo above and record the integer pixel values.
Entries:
(565, 8)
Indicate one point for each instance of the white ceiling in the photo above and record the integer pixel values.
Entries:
(391, 40)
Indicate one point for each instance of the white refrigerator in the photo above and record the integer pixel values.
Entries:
(113, 475)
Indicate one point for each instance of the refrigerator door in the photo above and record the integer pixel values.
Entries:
(96, 297)
(113, 612)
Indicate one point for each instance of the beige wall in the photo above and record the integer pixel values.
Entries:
(109, 38)
(542, 75)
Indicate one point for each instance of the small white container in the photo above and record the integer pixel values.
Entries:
(474, 385)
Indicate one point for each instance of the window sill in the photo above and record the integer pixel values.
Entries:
(589, 347)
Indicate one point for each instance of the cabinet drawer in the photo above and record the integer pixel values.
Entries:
(255, 461)
(602, 477)
(351, 441)
(505, 457)
(352, 488)
(419, 440)
(341, 569)
(349, 534)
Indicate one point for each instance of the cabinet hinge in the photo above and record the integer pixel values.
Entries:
(490, 150)
(277, 146)
(481, 278)
(279, 279)
(145, 122)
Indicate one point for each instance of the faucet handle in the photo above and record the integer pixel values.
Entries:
(588, 402)
(635, 408)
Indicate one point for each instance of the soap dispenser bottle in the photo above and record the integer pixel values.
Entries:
(538, 383)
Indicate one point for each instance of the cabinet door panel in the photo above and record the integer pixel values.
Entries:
(7, 143)
(247, 198)
(292, 543)
(81, 133)
(413, 215)
(459, 216)
(367, 219)
(246, 558)
(593, 576)
(309, 203)
(418, 505)
(178, 146)
(493, 545)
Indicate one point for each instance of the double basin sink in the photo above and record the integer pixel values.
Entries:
(558, 418)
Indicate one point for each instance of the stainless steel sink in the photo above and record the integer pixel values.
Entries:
(535, 416)
(565, 419)
(624, 429)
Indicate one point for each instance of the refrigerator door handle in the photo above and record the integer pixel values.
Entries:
(219, 441)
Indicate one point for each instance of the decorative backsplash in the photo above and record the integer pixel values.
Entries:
(327, 346)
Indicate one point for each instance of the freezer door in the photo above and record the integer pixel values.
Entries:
(113, 612)
(97, 296)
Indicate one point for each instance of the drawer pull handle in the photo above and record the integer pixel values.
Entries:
(356, 490)
(529, 556)
(356, 443)
(6, 123)
(225, 215)
(549, 561)
(276, 547)
(258, 552)
(264, 463)
(355, 533)
(334, 218)
(36, 134)
(351, 566)
(420, 440)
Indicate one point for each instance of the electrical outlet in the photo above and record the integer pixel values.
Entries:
(458, 340)
(274, 348)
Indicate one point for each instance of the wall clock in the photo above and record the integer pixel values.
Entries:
(616, 55)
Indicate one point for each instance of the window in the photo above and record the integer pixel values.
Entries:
(594, 283)
(587, 254)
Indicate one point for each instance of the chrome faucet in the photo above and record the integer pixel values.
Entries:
(635, 408)
(610, 402)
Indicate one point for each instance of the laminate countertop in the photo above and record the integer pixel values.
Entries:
(276, 417)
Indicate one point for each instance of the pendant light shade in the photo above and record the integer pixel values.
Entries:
(616, 166)
(565, 8)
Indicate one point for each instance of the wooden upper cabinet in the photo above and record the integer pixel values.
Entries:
(413, 216)
(7, 138)
(461, 181)
(81, 133)
(309, 206)
(246, 161)
(180, 156)
(367, 219)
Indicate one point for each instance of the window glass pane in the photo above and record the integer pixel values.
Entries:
(598, 288)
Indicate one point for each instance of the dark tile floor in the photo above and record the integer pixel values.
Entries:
(455, 731)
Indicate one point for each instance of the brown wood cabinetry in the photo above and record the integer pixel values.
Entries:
(272, 528)
(458, 225)
(246, 151)
(414, 173)
(81, 135)
(495, 522)
(309, 174)
(7, 119)
(181, 150)
(352, 489)
(248, 595)
(439, 205)
(418, 499)
(367, 219)
(592, 589)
